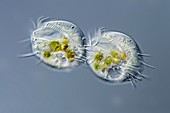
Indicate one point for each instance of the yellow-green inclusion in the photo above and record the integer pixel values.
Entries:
(47, 54)
(114, 53)
(123, 56)
(96, 66)
(64, 46)
(55, 46)
(70, 55)
(108, 61)
(116, 60)
(65, 41)
(99, 57)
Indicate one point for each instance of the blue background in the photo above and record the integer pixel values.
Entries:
(26, 87)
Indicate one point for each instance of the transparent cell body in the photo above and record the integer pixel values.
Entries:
(115, 57)
(58, 43)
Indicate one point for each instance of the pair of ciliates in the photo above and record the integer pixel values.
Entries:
(113, 56)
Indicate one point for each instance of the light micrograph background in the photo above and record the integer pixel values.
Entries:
(28, 87)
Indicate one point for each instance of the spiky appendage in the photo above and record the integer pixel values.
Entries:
(115, 57)
(57, 43)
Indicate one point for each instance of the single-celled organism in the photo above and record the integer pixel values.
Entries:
(115, 57)
(57, 43)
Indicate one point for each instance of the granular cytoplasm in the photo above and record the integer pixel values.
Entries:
(115, 57)
(57, 43)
